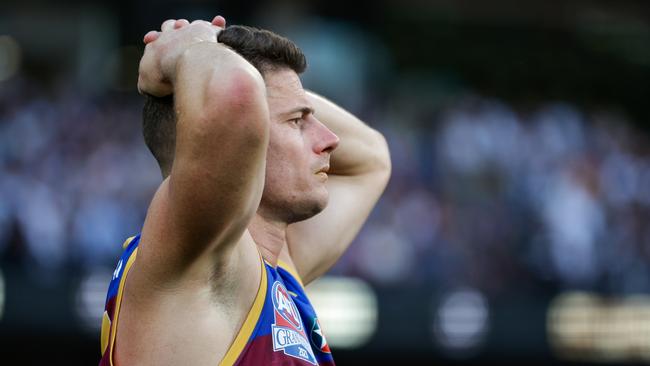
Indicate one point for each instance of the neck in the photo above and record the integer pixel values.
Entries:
(270, 236)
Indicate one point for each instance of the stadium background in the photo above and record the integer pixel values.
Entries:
(515, 226)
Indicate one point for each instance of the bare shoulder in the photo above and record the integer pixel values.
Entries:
(206, 309)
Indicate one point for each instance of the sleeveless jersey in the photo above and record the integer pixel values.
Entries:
(280, 329)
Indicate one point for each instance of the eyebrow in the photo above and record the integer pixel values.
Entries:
(303, 110)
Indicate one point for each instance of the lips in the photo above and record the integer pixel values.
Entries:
(324, 169)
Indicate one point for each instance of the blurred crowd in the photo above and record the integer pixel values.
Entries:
(483, 193)
(500, 197)
(76, 177)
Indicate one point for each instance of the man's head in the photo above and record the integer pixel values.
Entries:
(299, 145)
(263, 49)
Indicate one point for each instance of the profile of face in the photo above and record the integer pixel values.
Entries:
(298, 154)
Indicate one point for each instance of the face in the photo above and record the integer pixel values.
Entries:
(299, 152)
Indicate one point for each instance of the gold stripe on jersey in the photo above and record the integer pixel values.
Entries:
(127, 242)
(249, 324)
(118, 301)
(287, 267)
(106, 330)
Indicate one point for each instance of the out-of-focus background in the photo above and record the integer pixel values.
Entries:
(516, 226)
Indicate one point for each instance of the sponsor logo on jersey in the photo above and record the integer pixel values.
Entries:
(287, 330)
(284, 305)
(318, 338)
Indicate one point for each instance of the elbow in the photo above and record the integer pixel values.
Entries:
(382, 155)
(242, 86)
(239, 99)
(246, 97)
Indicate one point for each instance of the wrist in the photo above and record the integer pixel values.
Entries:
(196, 56)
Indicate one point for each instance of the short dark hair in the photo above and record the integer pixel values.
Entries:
(264, 49)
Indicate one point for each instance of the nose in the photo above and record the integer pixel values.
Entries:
(326, 140)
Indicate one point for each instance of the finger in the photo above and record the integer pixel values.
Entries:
(150, 37)
(219, 21)
(168, 25)
(180, 23)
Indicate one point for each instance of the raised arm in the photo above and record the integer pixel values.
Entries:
(359, 171)
(217, 176)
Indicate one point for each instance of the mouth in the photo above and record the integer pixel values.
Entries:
(322, 172)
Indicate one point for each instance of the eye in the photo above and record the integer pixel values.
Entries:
(296, 121)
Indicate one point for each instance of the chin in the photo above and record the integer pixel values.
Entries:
(310, 208)
(299, 205)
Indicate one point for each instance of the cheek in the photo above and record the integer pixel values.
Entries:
(279, 166)
(288, 153)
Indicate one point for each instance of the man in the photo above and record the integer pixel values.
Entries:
(241, 221)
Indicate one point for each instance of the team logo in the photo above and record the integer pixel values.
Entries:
(287, 330)
(318, 338)
(283, 304)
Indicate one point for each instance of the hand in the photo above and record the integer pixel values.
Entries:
(163, 50)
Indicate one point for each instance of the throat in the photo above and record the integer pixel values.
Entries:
(270, 237)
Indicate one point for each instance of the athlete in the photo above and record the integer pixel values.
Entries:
(264, 187)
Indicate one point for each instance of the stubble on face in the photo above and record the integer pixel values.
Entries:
(294, 190)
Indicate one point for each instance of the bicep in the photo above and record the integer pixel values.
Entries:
(317, 243)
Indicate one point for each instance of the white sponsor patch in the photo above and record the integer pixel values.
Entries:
(287, 330)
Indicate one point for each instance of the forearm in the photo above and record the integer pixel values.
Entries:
(361, 149)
